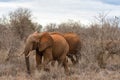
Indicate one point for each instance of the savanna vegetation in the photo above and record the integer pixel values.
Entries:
(100, 57)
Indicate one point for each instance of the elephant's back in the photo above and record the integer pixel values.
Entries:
(73, 41)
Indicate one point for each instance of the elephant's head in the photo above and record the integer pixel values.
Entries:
(39, 41)
(31, 43)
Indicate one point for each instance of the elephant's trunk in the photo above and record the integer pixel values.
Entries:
(26, 52)
(27, 64)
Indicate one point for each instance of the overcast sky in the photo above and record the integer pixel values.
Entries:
(57, 11)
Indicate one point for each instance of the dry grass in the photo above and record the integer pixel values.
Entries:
(15, 69)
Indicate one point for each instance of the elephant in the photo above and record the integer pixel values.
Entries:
(50, 46)
(75, 44)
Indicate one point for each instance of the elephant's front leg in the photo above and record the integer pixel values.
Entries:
(78, 57)
(47, 54)
(38, 60)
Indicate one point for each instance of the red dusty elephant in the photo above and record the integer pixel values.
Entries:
(50, 46)
(74, 46)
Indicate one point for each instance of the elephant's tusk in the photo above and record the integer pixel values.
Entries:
(20, 54)
(28, 55)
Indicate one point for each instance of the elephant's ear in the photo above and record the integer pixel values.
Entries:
(45, 41)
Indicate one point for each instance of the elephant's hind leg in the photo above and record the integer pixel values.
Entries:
(72, 58)
(78, 57)
(63, 61)
(65, 65)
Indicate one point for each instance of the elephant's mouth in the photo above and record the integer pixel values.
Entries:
(39, 52)
(35, 46)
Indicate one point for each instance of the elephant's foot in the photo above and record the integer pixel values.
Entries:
(39, 67)
(67, 73)
(53, 63)
(43, 67)
(75, 62)
(47, 69)
(103, 66)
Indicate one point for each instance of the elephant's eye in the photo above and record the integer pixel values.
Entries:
(41, 43)
(33, 42)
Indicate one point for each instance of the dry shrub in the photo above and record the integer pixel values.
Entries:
(5, 34)
(21, 23)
